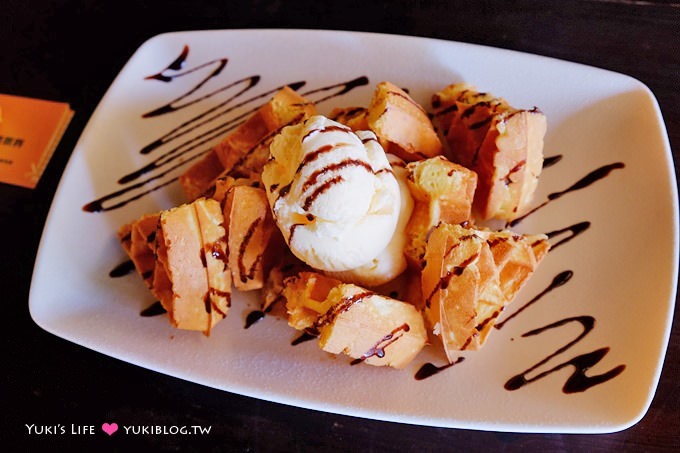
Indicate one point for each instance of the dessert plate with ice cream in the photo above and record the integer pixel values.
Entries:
(389, 227)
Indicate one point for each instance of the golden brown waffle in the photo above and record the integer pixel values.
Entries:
(188, 262)
(250, 226)
(401, 124)
(244, 151)
(190, 256)
(443, 192)
(349, 319)
(470, 276)
(356, 118)
(138, 239)
(503, 145)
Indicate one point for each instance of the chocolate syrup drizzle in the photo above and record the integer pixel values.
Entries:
(551, 160)
(574, 230)
(123, 269)
(212, 123)
(378, 350)
(154, 309)
(578, 381)
(176, 65)
(304, 337)
(582, 183)
(559, 280)
(430, 369)
(253, 317)
(247, 274)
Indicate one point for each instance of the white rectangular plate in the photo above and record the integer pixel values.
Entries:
(606, 127)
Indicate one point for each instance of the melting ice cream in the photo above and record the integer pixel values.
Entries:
(333, 193)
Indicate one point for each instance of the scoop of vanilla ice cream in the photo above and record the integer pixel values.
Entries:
(391, 261)
(332, 192)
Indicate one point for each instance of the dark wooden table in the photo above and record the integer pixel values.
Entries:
(71, 51)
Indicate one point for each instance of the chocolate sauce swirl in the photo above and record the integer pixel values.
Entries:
(378, 350)
(341, 307)
(195, 137)
(429, 369)
(219, 64)
(314, 177)
(507, 179)
(325, 129)
(176, 65)
(551, 160)
(155, 309)
(456, 271)
(319, 190)
(99, 205)
(578, 381)
(253, 317)
(303, 338)
(244, 274)
(559, 280)
(311, 157)
(343, 88)
(124, 268)
(584, 182)
(574, 230)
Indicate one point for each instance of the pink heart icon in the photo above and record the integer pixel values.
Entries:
(110, 428)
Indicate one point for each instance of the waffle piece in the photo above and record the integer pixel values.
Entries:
(282, 264)
(443, 192)
(469, 277)
(244, 151)
(138, 239)
(460, 283)
(356, 118)
(189, 260)
(502, 144)
(516, 257)
(250, 226)
(401, 124)
(306, 296)
(161, 286)
(125, 237)
(198, 178)
(220, 187)
(349, 319)
(214, 258)
(285, 108)
(192, 285)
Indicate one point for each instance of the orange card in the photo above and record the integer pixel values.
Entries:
(30, 130)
